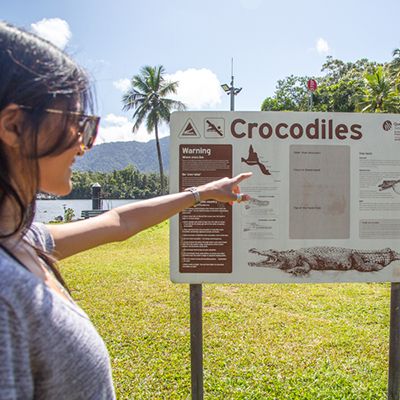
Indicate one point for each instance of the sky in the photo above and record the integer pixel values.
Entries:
(196, 42)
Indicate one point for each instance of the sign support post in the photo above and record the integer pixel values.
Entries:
(196, 341)
(394, 343)
(310, 100)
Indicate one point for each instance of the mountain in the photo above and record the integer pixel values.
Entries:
(108, 157)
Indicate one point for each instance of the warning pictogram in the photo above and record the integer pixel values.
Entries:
(189, 130)
(214, 128)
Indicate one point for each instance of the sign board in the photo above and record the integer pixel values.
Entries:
(325, 197)
(312, 85)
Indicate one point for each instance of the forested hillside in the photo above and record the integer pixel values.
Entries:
(108, 157)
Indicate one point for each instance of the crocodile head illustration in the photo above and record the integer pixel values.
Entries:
(270, 258)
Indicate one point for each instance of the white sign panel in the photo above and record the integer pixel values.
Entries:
(325, 197)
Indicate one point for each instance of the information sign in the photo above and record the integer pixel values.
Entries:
(325, 197)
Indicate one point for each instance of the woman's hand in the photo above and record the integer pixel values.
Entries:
(225, 189)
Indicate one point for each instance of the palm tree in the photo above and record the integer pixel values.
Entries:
(379, 93)
(147, 97)
(394, 66)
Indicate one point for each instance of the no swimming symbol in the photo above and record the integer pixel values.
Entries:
(214, 128)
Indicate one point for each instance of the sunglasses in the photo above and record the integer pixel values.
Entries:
(88, 125)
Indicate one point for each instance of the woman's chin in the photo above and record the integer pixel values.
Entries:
(60, 190)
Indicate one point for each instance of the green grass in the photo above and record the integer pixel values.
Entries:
(325, 341)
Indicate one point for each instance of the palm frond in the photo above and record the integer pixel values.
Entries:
(174, 104)
(132, 99)
(138, 117)
(140, 84)
(168, 87)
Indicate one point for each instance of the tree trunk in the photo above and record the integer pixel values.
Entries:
(159, 159)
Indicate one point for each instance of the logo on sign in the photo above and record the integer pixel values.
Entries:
(214, 128)
(189, 130)
(387, 125)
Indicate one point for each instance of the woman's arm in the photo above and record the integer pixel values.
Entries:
(122, 222)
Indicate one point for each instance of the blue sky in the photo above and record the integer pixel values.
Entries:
(195, 41)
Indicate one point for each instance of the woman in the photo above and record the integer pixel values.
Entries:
(48, 347)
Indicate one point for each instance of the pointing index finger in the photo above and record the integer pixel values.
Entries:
(239, 178)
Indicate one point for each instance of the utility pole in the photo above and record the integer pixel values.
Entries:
(231, 90)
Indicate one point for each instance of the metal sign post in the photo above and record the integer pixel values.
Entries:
(394, 343)
(196, 341)
(310, 100)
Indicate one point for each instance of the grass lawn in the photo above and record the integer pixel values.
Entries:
(325, 341)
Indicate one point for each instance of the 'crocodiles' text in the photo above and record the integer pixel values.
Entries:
(319, 129)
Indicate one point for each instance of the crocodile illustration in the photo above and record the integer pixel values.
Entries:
(301, 262)
(390, 184)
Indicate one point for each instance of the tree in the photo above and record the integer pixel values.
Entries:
(394, 68)
(69, 214)
(379, 93)
(290, 95)
(339, 89)
(147, 97)
(337, 97)
(362, 85)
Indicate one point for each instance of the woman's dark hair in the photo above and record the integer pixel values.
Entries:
(36, 74)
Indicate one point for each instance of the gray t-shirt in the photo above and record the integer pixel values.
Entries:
(49, 349)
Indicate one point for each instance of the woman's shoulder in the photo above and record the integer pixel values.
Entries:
(18, 286)
(39, 236)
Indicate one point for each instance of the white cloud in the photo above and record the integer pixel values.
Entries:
(117, 128)
(322, 46)
(198, 88)
(54, 30)
(122, 84)
(113, 119)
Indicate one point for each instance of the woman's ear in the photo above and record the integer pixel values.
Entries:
(11, 120)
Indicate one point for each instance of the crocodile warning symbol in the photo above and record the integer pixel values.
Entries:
(189, 130)
(214, 128)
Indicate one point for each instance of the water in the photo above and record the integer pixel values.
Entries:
(48, 210)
